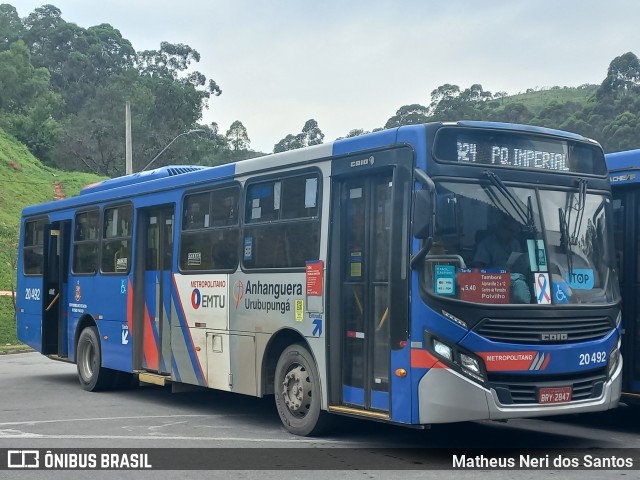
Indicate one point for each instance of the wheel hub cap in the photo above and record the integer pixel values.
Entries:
(296, 391)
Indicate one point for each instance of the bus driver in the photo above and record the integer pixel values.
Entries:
(499, 250)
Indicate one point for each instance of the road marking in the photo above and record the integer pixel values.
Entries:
(17, 434)
(13, 434)
(37, 422)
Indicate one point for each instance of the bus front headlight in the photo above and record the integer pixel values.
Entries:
(470, 364)
(442, 349)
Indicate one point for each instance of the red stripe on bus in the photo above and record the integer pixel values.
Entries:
(546, 362)
(129, 306)
(423, 359)
(150, 347)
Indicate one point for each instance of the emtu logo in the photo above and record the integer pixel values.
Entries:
(196, 298)
(238, 292)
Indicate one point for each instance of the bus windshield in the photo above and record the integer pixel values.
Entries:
(498, 244)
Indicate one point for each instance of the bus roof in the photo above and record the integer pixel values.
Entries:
(524, 128)
(164, 178)
(627, 160)
(623, 166)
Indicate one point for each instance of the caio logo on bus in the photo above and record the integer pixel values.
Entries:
(363, 162)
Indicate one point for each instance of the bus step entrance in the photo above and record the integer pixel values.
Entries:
(154, 378)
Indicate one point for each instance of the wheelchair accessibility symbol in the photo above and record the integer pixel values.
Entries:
(560, 292)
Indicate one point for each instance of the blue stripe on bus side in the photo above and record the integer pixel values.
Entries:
(174, 369)
(187, 335)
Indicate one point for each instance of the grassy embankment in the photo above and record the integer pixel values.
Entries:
(24, 181)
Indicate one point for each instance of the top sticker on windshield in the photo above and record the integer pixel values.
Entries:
(580, 278)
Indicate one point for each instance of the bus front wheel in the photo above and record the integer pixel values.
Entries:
(92, 375)
(297, 392)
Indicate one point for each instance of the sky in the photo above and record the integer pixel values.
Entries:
(351, 64)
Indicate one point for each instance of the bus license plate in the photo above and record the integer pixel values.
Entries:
(555, 395)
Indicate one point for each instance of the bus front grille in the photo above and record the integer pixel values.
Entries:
(544, 331)
(524, 389)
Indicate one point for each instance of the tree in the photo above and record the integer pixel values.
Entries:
(475, 93)
(237, 136)
(27, 102)
(79, 60)
(513, 113)
(443, 98)
(356, 132)
(290, 142)
(554, 114)
(408, 115)
(11, 27)
(500, 95)
(310, 135)
(623, 76)
(172, 61)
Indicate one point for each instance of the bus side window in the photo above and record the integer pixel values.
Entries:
(209, 241)
(85, 242)
(33, 247)
(116, 239)
(282, 224)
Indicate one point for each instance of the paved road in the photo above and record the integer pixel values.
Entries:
(43, 406)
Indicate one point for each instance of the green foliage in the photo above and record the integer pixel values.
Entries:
(310, 135)
(607, 113)
(408, 115)
(26, 102)
(11, 28)
(25, 181)
(78, 59)
(237, 136)
(63, 90)
(7, 322)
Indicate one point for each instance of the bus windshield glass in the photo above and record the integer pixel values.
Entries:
(499, 244)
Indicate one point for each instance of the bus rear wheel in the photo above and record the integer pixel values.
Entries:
(93, 377)
(297, 392)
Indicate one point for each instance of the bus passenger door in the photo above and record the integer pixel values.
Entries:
(55, 282)
(362, 258)
(152, 349)
(627, 243)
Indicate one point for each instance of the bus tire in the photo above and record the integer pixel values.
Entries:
(93, 377)
(297, 392)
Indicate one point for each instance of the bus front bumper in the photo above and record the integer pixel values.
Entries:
(446, 396)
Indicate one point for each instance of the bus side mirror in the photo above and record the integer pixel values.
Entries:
(422, 214)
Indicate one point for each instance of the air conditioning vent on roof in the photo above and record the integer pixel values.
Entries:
(141, 177)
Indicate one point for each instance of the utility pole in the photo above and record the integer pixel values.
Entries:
(128, 147)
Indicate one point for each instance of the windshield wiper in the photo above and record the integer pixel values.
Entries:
(525, 216)
(565, 240)
(511, 198)
(579, 207)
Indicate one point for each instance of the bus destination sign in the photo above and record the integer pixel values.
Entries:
(523, 150)
(510, 156)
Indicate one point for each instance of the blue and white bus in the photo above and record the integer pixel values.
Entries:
(352, 277)
(624, 170)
